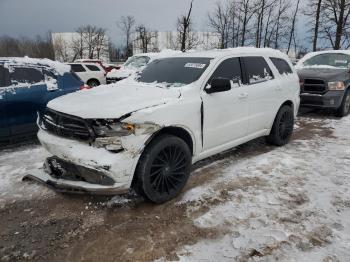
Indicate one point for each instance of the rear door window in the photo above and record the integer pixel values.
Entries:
(78, 68)
(230, 69)
(257, 69)
(282, 66)
(92, 68)
(26, 75)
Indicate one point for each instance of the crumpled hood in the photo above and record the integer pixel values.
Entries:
(123, 72)
(113, 101)
(327, 74)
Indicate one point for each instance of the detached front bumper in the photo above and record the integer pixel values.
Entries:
(331, 100)
(79, 167)
(68, 186)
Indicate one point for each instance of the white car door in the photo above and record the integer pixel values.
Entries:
(264, 93)
(225, 114)
(97, 72)
(81, 71)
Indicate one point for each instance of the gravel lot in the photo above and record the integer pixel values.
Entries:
(253, 203)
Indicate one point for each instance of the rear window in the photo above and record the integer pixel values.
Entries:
(257, 69)
(78, 68)
(92, 68)
(20, 75)
(282, 66)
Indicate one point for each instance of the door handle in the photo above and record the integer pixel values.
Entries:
(243, 96)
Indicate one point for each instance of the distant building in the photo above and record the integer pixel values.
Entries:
(169, 40)
(72, 45)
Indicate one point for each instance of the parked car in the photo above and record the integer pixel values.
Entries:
(91, 73)
(106, 67)
(325, 80)
(26, 85)
(148, 131)
(135, 64)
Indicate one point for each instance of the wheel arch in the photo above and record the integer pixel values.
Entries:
(177, 131)
(93, 79)
(285, 103)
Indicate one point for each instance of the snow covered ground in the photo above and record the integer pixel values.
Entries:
(14, 164)
(288, 204)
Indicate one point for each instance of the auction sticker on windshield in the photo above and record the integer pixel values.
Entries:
(195, 65)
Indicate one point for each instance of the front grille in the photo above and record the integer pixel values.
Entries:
(316, 101)
(64, 125)
(314, 86)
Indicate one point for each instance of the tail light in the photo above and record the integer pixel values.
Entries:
(84, 87)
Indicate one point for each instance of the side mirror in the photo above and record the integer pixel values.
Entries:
(218, 85)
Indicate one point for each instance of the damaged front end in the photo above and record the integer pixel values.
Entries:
(97, 156)
(64, 176)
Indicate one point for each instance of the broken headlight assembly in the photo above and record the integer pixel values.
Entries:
(109, 132)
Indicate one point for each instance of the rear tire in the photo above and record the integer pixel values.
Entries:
(344, 108)
(163, 169)
(93, 83)
(282, 128)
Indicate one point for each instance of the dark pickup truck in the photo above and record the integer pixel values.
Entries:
(325, 81)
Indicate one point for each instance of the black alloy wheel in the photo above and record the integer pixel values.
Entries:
(283, 127)
(163, 169)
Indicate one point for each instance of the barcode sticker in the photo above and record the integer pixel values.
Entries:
(195, 65)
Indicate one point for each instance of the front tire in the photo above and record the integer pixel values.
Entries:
(282, 128)
(344, 109)
(93, 83)
(163, 169)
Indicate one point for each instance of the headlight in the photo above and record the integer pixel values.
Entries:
(336, 86)
(109, 133)
(111, 128)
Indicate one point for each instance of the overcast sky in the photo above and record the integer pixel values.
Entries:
(33, 17)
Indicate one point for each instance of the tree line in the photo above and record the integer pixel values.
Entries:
(260, 23)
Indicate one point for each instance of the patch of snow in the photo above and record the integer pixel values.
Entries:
(14, 164)
(290, 204)
(58, 67)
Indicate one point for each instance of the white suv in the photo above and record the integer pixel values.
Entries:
(91, 73)
(148, 131)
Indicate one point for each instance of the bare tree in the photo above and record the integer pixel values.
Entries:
(78, 46)
(335, 26)
(184, 23)
(292, 30)
(89, 41)
(247, 10)
(220, 21)
(127, 24)
(144, 38)
(281, 21)
(263, 8)
(101, 42)
(61, 48)
(313, 11)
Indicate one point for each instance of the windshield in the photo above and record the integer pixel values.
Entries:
(137, 61)
(175, 71)
(331, 59)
